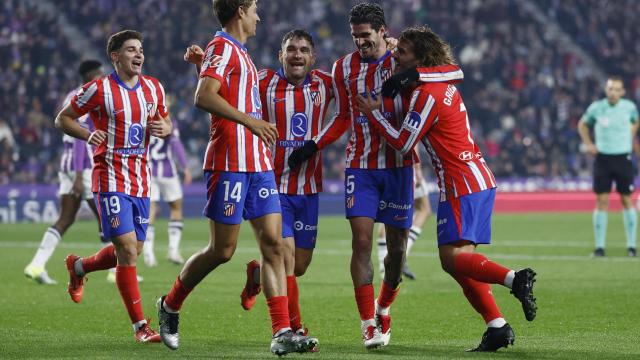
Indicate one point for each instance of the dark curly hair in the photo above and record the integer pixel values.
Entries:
(367, 13)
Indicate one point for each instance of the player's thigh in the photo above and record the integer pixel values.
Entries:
(268, 230)
(602, 174)
(396, 199)
(116, 214)
(305, 226)
(226, 196)
(262, 196)
(171, 189)
(361, 232)
(362, 194)
(623, 175)
(223, 238)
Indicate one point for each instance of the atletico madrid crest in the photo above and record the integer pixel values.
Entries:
(316, 96)
(115, 221)
(229, 209)
(351, 200)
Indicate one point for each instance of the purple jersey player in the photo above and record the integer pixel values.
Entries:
(165, 185)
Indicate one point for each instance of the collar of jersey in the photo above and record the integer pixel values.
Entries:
(307, 80)
(375, 61)
(115, 76)
(226, 35)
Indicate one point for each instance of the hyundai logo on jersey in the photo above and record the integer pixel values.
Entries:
(466, 156)
(299, 123)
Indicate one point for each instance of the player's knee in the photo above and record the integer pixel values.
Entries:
(300, 268)
(219, 254)
(447, 263)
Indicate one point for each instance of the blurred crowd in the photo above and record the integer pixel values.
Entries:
(524, 91)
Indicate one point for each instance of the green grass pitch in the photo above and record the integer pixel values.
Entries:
(588, 308)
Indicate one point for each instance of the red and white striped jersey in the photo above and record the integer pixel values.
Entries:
(353, 75)
(233, 147)
(298, 113)
(120, 162)
(438, 117)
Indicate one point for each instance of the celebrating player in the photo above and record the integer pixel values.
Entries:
(295, 100)
(615, 123)
(376, 177)
(127, 107)
(438, 117)
(240, 180)
(75, 185)
(165, 185)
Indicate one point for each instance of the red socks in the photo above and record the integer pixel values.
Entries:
(102, 260)
(478, 267)
(480, 297)
(279, 313)
(127, 282)
(176, 296)
(387, 295)
(364, 299)
(294, 302)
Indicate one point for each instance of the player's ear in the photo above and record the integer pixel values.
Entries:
(114, 56)
(281, 57)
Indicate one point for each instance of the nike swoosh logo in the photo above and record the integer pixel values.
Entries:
(136, 301)
(116, 112)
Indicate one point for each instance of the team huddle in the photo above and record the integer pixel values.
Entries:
(263, 164)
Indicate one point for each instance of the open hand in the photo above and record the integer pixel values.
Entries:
(265, 131)
(97, 137)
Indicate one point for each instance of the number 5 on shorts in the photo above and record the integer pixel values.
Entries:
(351, 186)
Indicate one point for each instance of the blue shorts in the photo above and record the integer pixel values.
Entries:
(466, 218)
(385, 195)
(233, 196)
(120, 214)
(300, 219)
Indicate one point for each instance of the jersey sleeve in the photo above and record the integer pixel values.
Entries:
(340, 121)
(420, 118)
(219, 61)
(87, 98)
(590, 114)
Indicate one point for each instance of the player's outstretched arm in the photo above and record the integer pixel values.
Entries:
(208, 99)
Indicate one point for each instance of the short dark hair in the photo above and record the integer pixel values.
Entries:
(117, 40)
(428, 46)
(367, 13)
(225, 10)
(298, 33)
(88, 66)
(616, 78)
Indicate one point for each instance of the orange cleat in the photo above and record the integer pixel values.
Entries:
(75, 287)
(147, 335)
(252, 288)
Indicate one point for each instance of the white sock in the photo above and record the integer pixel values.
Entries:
(77, 267)
(138, 325)
(508, 280)
(281, 331)
(149, 241)
(414, 234)
(364, 324)
(175, 235)
(50, 240)
(382, 251)
(497, 323)
(381, 310)
(168, 308)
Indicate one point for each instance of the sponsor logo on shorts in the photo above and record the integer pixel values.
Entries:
(141, 220)
(298, 225)
(115, 221)
(392, 205)
(264, 192)
(442, 221)
(383, 205)
(229, 209)
(400, 218)
(351, 200)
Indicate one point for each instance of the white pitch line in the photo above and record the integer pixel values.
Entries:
(335, 252)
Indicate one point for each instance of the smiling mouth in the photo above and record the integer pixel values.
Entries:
(136, 63)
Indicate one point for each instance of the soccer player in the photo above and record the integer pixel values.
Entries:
(75, 185)
(615, 123)
(240, 179)
(438, 117)
(127, 107)
(165, 185)
(377, 176)
(421, 212)
(296, 100)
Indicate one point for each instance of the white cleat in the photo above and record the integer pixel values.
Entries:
(39, 275)
(372, 337)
